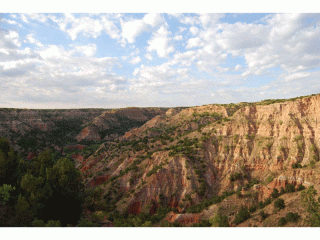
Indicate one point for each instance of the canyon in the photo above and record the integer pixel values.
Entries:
(143, 160)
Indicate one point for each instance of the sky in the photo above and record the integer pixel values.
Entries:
(115, 60)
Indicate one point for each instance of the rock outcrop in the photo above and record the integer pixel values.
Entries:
(185, 156)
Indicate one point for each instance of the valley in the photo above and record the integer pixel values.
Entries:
(238, 165)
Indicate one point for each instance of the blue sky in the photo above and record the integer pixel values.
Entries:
(114, 60)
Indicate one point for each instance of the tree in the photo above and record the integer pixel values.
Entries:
(312, 205)
(292, 217)
(4, 145)
(275, 193)
(219, 220)
(290, 188)
(282, 222)
(147, 224)
(252, 208)
(5, 192)
(242, 215)
(279, 204)
(263, 215)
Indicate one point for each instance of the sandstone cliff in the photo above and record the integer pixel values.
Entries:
(183, 157)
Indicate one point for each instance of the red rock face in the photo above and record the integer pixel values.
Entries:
(135, 208)
(90, 162)
(184, 219)
(77, 157)
(74, 147)
(88, 133)
(98, 181)
(173, 203)
(84, 169)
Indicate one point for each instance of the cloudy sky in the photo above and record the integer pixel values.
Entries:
(150, 59)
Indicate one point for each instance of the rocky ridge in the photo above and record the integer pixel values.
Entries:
(185, 156)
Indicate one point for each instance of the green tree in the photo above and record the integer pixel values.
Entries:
(5, 192)
(279, 204)
(52, 223)
(219, 220)
(147, 224)
(38, 223)
(86, 223)
(292, 217)
(242, 215)
(23, 211)
(263, 215)
(312, 205)
(282, 222)
(275, 193)
(4, 145)
(290, 188)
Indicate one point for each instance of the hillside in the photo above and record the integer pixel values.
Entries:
(187, 156)
(243, 164)
(31, 131)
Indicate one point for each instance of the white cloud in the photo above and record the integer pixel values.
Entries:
(53, 74)
(135, 60)
(193, 42)
(148, 56)
(30, 38)
(209, 19)
(153, 19)
(132, 29)
(194, 30)
(178, 38)
(160, 42)
(85, 25)
(88, 50)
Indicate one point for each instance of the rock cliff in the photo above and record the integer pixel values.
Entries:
(185, 156)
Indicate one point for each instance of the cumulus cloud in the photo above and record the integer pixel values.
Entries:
(53, 73)
(206, 58)
(194, 30)
(133, 28)
(83, 24)
(135, 60)
(160, 42)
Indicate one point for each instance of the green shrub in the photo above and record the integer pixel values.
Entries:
(297, 138)
(279, 204)
(267, 201)
(292, 217)
(38, 223)
(290, 188)
(86, 223)
(261, 205)
(269, 179)
(239, 195)
(219, 220)
(53, 223)
(282, 222)
(252, 208)
(301, 187)
(263, 215)
(296, 165)
(235, 176)
(275, 193)
(242, 215)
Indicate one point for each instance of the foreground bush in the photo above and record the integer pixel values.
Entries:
(292, 217)
(279, 204)
(242, 215)
(282, 222)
